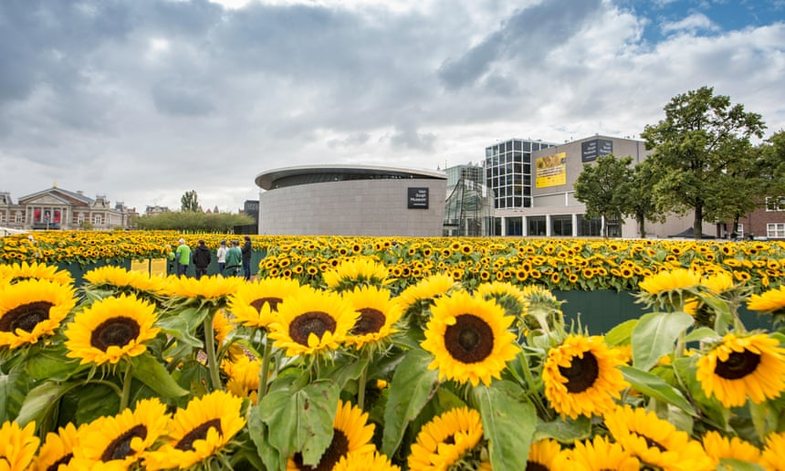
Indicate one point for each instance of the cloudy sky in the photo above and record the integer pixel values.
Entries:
(142, 100)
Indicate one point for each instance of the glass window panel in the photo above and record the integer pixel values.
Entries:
(517, 145)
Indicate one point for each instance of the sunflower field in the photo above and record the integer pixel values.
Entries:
(387, 354)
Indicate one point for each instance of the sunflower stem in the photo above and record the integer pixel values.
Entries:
(361, 387)
(209, 347)
(268, 348)
(125, 395)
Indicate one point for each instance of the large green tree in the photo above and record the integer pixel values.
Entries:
(189, 202)
(602, 187)
(693, 149)
(639, 200)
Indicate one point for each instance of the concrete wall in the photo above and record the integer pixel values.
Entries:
(355, 207)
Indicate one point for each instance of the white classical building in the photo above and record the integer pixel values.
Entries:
(57, 208)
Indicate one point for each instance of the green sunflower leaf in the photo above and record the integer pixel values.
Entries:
(410, 390)
(509, 421)
(564, 430)
(656, 387)
(153, 374)
(655, 335)
(620, 334)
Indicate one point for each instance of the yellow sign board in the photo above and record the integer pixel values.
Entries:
(551, 170)
(140, 265)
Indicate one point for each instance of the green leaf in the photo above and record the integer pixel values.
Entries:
(302, 419)
(564, 430)
(194, 377)
(763, 419)
(183, 325)
(13, 388)
(410, 389)
(508, 422)
(153, 374)
(655, 335)
(713, 411)
(701, 333)
(50, 365)
(259, 435)
(348, 370)
(40, 401)
(93, 401)
(620, 334)
(656, 387)
(737, 465)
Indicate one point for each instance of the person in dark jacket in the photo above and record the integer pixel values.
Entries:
(202, 258)
(247, 258)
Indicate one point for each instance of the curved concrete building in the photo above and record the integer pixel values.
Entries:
(351, 200)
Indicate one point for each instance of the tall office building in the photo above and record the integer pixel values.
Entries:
(508, 172)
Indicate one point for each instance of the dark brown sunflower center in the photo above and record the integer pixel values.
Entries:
(312, 322)
(738, 365)
(258, 304)
(121, 446)
(535, 466)
(371, 321)
(582, 373)
(338, 448)
(199, 433)
(650, 443)
(469, 340)
(117, 331)
(64, 460)
(25, 317)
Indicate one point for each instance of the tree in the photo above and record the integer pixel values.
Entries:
(772, 154)
(601, 187)
(193, 221)
(189, 202)
(639, 200)
(692, 150)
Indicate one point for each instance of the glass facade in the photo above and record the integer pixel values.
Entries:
(508, 172)
(561, 225)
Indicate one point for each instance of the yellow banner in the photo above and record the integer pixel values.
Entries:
(551, 170)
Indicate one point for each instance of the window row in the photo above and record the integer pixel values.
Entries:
(775, 203)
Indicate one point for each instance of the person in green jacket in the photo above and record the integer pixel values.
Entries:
(234, 260)
(183, 257)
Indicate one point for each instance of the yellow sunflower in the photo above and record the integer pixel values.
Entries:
(446, 439)
(358, 271)
(365, 461)
(544, 455)
(426, 289)
(665, 289)
(121, 279)
(215, 289)
(718, 447)
(771, 458)
(599, 454)
(469, 339)
(255, 304)
(17, 446)
(719, 283)
(199, 431)
(243, 374)
(34, 271)
(377, 315)
(742, 367)
(120, 441)
(313, 322)
(655, 442)
(351, 434)
(32, 309)
(111, 329)
(506, 295)
(58, 449)
(772, 301)
(581, 376)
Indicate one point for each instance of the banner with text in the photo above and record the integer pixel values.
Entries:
(551, 170)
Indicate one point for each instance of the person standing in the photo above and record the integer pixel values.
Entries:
(183, 257)
(202, 257)
(247, 251)
(234, 259)
(220, 254)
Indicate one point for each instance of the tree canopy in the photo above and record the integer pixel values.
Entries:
(696, 149)
(189, 202)
(193, 221)
(601, 187)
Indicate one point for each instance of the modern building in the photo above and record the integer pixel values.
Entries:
(56, 208)
(468, 209)
(351, 200)
(467, 173)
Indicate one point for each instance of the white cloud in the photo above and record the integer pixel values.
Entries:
(691, 24)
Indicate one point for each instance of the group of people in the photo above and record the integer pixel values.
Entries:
(232, 259)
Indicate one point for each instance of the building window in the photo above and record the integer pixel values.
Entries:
(561, 225)
(2, 217)
(589, 227)
(775, 230)
(19, 217)
(514, 226)
(98, 219)
(775, 203)
(536, 225)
